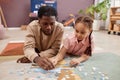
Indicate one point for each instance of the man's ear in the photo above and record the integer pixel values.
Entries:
(39, 20)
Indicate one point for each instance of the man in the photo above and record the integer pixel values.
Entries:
(43, 38)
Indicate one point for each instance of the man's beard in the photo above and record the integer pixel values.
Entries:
(47, 32)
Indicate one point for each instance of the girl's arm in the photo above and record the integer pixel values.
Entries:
(83, 58)
(76, 61)
(61, 54)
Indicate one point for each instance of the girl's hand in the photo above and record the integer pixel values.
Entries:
(74, 62)
(54, 60)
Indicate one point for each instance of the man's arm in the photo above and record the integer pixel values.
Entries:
(29, 45)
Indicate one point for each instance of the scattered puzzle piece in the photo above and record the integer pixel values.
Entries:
(67, 74)
(31, 78)
(62, 62)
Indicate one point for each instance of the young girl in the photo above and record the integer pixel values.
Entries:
(80, 43)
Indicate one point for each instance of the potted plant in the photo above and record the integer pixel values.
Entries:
(98, 12)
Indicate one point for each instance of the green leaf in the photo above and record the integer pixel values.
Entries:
(104, 16)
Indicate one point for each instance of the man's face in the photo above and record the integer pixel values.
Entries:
(47, 24)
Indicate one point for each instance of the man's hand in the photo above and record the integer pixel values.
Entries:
(44, 63)
(23, 60)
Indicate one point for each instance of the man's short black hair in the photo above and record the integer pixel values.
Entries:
(47, 11)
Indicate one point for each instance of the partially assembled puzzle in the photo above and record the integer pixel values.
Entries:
(20, 71)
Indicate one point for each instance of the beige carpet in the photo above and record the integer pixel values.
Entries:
(12, 49)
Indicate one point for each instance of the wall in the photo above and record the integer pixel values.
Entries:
(16, 12)
(0, 20)
(66, 7)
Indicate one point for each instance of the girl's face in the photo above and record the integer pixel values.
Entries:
(81, 31)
